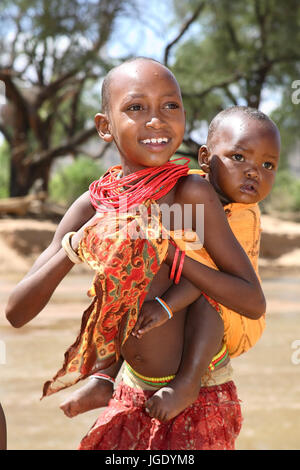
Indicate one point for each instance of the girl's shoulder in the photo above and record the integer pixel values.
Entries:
(77, 215)
(194, 188)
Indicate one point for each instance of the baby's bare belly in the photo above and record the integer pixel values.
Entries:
(158, 352)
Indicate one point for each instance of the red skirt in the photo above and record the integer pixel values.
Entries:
(212, 422)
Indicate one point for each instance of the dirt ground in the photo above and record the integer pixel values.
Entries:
(268, 377)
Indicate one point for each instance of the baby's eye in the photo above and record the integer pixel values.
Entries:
(238, 157)
(171, 106)
(135, 107)
(268, 165)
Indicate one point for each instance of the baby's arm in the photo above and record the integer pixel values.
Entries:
(33, 292)
(153, 314)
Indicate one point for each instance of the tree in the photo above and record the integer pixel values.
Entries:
(234, 52)
(51, 55)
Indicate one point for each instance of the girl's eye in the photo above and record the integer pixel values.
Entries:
(238, 157)
(134, 107)
(268, 165)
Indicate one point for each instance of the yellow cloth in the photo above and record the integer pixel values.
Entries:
(240, 333)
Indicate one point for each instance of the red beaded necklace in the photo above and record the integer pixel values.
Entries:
(111, 191)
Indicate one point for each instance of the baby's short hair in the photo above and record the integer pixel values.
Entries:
(105, 91)
(248, 112)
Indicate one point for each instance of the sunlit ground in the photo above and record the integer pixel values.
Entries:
(268, 377)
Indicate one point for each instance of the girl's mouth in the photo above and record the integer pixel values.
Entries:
(156, 144)
(156, 141)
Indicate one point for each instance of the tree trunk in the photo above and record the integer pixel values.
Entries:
(24, 176)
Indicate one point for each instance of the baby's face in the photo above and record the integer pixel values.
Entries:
(147, 118)
(244, 159)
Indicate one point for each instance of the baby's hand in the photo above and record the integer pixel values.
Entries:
(151, 316)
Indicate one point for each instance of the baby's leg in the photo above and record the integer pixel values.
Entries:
(2, 430)
(96, 393)
(204, 331)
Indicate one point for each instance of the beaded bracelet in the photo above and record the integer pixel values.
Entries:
(179, 271)
(173, 269)
(100, 376)
(165, 306)
(66, 244)
(174, 265)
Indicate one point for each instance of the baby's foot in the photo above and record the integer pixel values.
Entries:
(171, 400)
(94, 394)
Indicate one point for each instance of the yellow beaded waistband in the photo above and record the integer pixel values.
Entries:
(162, 381)
(219, 358)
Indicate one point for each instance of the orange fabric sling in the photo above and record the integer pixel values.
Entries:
(240, 333)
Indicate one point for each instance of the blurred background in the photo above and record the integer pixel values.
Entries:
(53, 57)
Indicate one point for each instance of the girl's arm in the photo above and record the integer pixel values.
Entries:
(235, 285)
(33, 292)
(3, 437)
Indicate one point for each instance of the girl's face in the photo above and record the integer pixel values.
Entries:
(243, 159)
(146, 119)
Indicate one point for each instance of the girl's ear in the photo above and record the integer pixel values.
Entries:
(103, 128)
(203, 158)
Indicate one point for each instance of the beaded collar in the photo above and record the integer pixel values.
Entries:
(113, 191)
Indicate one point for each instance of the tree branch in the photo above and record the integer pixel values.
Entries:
(70, 146)
(183, 29)
(14, 95)
(230, 95)
(207, 90)
(54, 86)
